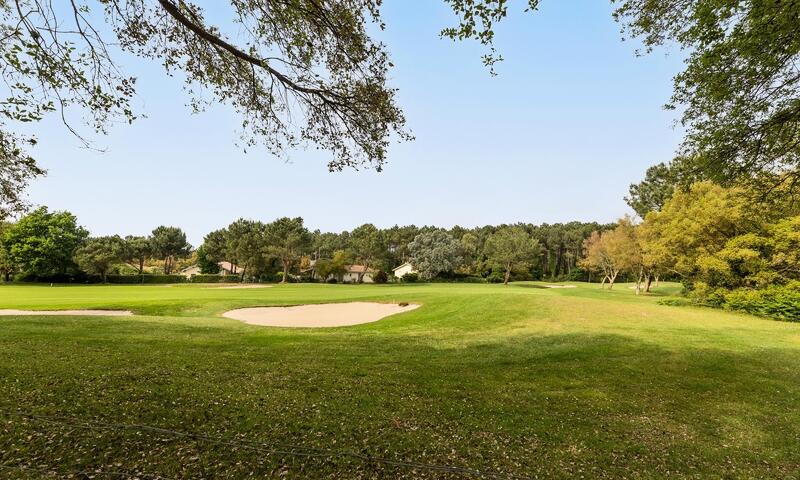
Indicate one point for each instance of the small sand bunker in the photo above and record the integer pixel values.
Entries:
(223, 287)
(104, 313)
(559, 286)
(321, 315)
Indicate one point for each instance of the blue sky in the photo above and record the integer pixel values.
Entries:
(572, 119)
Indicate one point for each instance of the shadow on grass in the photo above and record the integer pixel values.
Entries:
(557, 405)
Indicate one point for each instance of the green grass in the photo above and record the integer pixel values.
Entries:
(513, 381)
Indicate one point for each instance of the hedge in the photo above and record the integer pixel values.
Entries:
(212, 278)
(132, 279)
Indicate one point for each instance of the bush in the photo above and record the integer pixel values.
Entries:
(496, 277)
(211, 278)
(782, 302)
(410, 278)
(380, 277)
(332, 280)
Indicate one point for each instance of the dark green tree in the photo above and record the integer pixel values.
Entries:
(98, 254)
(287, 240)
(137, 251)
(368, 246)
(510, 247)
(169, 243)
(42, 243)
(206, 264)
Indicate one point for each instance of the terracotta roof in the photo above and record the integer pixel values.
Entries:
(358, 269)
(228, 266)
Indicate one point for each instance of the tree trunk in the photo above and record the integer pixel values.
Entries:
(104, 277)
(507, 275)
(656, 280)
(639, 281)
(648, 281)
(285, 271)
(141, 265)
(612, 279)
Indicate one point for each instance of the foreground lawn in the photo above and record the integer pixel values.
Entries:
(516, 381)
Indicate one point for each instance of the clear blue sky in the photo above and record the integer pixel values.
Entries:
(572, 119)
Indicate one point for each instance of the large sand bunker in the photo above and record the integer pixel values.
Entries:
(104, 313)
(320, 315)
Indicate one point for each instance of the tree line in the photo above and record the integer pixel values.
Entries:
(47, 245)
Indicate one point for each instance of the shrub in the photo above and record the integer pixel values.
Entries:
(496, 277)
(410, 278)
(211, 278)
(380, 277)
(782, 302)
(332, 280)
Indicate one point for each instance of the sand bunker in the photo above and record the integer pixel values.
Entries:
(104, 313)
(559, 286)
(322, 315)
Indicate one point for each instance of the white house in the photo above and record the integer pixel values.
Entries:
(403, 269)
(353, 271)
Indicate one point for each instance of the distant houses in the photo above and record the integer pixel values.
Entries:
(225, 268)
(350, 275)
(403, 269)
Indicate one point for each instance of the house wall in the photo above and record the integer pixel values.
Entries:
(403, 270)
(353, 278)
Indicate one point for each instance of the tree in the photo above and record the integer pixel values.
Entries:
(304, 71)
(6, 266)
(169, 243)
(434, 252)
(510, 247)
(368, 246)
(695, 225)
(245, 243)
(137, 250)
(612, 252)
(651, 193)
(339, 262)
(42, 243)
(215, 246)
(206, 264)
(287, 240)
(98, 254)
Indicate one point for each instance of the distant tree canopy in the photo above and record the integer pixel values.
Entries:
(433, 253)
(287, 240)
(511, 247)
(170, 244)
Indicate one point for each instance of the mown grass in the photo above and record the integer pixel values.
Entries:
(512, 381)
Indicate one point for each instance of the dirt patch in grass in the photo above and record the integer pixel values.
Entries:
(320, 315)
